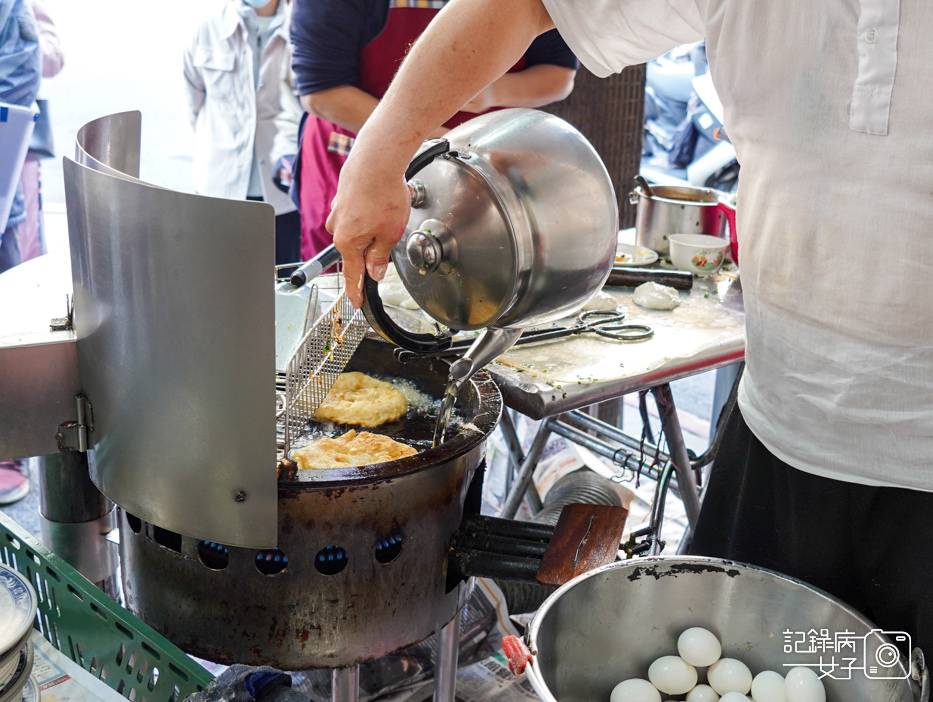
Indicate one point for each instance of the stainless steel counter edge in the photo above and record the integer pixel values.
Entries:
(38, 384)
(537, 399)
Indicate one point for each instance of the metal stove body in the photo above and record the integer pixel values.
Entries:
(167, 393)
(360, 569)
(166, 390)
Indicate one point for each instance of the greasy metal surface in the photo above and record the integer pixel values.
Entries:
(613, 622)
(526, 219)
(586, 537)
(301, 618)
(38, 367)
(110, 144)
(707, 331)
(178, 368)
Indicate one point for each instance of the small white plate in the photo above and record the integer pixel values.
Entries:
(31, 691)
(633, 255)
(17, 609)
(13, 690)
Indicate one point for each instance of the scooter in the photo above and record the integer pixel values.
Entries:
(684, 141)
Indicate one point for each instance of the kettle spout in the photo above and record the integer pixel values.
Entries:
(491, 343)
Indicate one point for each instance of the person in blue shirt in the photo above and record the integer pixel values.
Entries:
(20, 73)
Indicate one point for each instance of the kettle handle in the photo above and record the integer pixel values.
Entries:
(423, 158)
(373, 308)
(382, 323)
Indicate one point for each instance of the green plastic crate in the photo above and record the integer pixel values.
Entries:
(96, 632)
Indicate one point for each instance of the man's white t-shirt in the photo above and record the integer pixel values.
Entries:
(830, 106)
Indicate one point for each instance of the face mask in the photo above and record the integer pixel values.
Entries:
(256, 4)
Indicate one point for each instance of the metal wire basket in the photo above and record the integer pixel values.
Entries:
(321, 356)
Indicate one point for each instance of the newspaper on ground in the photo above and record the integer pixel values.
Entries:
(484, 622)
(561, 457)
(60, 679)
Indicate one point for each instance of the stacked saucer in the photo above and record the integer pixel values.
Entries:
(17, 614)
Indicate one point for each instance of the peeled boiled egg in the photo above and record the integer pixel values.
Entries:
(730, 675)
(699, 647)
(733, 697)
(804, 685)
(768, 686)
(635, 690)
(673, 675)
(702, 693)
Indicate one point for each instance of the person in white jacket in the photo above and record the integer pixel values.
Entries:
(236, 69)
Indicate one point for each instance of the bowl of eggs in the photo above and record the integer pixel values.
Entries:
(704, 629)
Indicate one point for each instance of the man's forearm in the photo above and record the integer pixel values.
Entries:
(346, 106)
(534, 87)
(469, 45)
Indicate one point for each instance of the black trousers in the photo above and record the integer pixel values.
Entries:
(287, 240)
(872, 547)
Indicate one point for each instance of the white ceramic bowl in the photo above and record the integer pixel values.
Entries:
(698, 253)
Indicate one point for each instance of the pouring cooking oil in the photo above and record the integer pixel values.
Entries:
(445, 412)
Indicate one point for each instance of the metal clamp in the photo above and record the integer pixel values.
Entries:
(83, 425)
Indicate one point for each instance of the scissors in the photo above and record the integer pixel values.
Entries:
(606, 323)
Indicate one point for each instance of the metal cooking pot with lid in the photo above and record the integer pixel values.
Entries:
(514, 223)
(678, 209)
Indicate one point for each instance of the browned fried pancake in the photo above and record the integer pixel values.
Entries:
(357, 398)
(351, 449)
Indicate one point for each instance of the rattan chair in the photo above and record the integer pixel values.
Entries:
(610, 112)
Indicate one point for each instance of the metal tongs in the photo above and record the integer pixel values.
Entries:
(606, 323)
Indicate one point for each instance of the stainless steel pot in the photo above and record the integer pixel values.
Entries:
(676, 209)
(610, 624)
(514, 223)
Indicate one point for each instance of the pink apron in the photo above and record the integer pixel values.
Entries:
(325, 145)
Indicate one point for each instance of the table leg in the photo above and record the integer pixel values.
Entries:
(722, 391)
(445, 665)
(345, 684)
(514, 446)
(678, 451)
(524, 481)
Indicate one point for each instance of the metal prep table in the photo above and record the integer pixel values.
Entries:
(553, 380)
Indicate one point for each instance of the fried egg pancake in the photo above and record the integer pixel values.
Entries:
(351, 449)
(357, 398)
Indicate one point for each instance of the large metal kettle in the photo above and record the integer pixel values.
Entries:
(514, 223)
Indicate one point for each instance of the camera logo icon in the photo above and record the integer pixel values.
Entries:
(882, 658)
